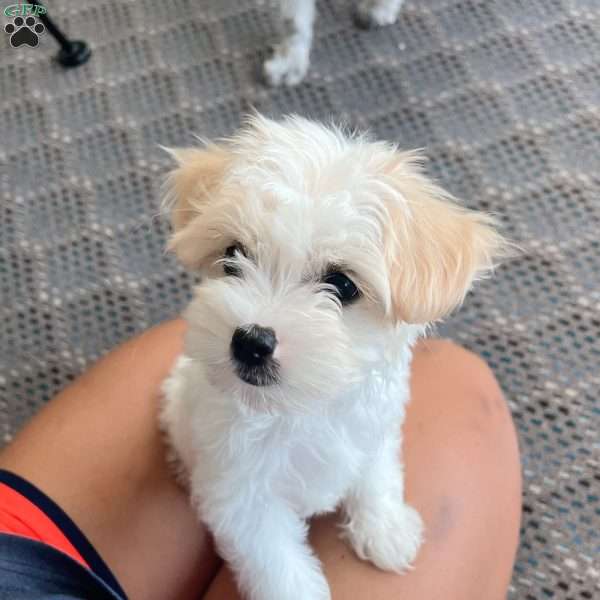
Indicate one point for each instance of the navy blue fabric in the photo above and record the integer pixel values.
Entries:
(30, 569)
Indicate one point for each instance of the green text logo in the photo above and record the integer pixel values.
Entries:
(22, 10)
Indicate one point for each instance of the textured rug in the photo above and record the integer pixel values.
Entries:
(503, 94)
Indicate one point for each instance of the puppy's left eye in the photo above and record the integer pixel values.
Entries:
(345, 288)
(230, 266)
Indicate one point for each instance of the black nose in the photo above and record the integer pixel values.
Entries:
(252, 345)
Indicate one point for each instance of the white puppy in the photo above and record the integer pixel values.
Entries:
(324, 255)
(290, 59)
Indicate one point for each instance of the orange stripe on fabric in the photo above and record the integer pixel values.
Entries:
(19, 516)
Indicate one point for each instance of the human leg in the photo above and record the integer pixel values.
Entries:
(96, 450)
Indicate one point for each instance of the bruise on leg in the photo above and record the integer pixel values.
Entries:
(444, 521)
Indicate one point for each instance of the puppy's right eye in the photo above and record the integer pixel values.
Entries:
(230, 266)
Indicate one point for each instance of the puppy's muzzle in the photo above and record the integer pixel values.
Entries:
(252, 348)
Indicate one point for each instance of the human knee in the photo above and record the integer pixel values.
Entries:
(470, 374)
(478, 416)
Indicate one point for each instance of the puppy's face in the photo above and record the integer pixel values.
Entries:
(318, 252)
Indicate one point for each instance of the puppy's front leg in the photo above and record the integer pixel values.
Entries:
(290, 59)
(379, 525)
(264, 542)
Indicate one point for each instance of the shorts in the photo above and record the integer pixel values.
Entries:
(43, 554)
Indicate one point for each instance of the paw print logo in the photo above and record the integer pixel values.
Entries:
(24, 32)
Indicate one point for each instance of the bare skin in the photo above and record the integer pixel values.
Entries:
(95, 449)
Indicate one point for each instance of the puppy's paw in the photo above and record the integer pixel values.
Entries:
(288, 66)
(369, 14)
(307, 581)
(390, 539)
(308, 584)
(314, 587)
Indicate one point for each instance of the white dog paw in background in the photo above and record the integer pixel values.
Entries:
(377, 13)
(291, 57)
(288, 64)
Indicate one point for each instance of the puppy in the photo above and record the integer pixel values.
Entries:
(323, 256)
(290, 59)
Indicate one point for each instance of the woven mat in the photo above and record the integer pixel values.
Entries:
(505, 96)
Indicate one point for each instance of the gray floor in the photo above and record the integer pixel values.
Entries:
(504, 95)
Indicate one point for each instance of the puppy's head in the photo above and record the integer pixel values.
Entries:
(322, 254)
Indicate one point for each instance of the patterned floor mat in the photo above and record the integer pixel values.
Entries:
(503, 94)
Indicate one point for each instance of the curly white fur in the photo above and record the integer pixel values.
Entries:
(261, 460)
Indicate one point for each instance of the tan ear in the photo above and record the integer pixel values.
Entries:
(435, 248)
(189, 188)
